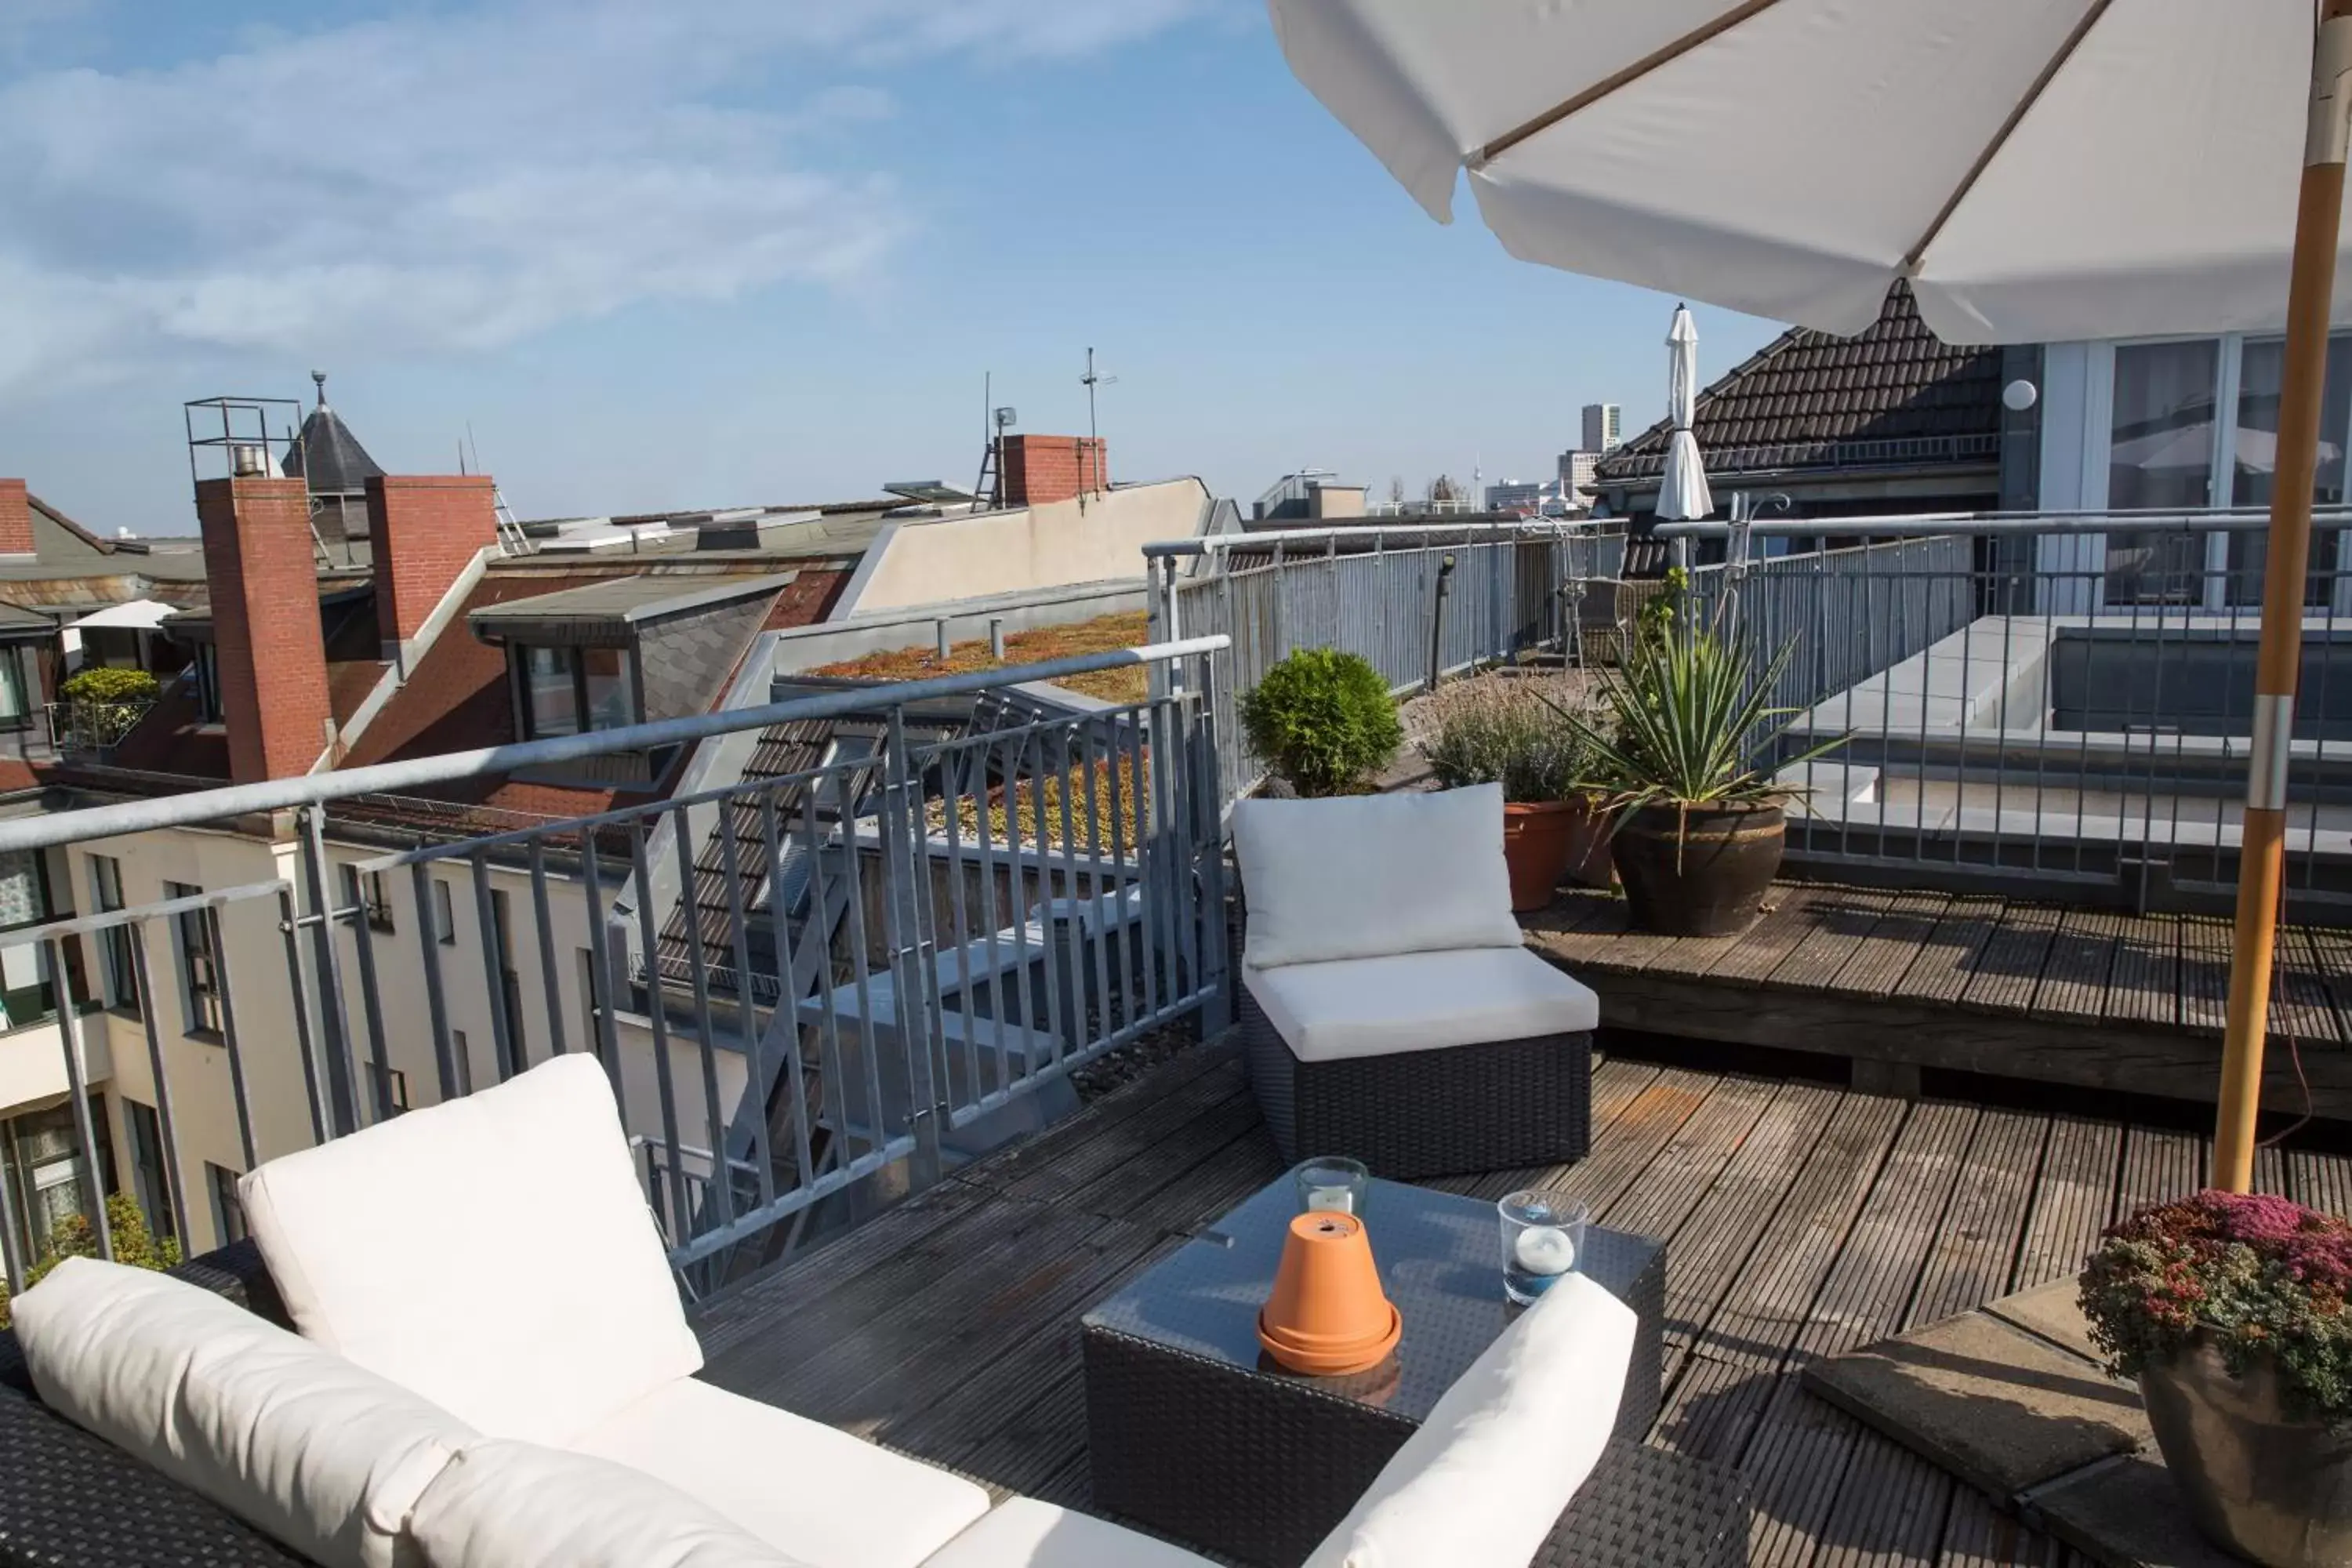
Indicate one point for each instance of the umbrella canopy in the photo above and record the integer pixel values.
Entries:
(1682, 494)
(2040, 170)
(138, 615)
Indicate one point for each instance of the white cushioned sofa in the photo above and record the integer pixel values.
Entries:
(1390, 1009)
(489, 1367)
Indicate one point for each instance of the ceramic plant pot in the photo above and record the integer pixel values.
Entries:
(1697, 873)
(1536, 840)
(2272, 1489)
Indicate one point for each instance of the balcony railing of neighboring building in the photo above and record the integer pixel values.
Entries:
(2056, 703)
(969, 919)
(82, 729)
(1895, 452)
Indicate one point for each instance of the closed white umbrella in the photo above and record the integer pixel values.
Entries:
(2039, 170)
(1683, 495)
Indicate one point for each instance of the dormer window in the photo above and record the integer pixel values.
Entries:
(571, 690)
(208, 680)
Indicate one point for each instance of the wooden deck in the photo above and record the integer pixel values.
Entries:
(1903, 982)
(1801, 1220)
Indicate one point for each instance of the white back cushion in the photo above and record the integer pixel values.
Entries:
(298, 1443)
(1368, 876)
(494, 1254)
(1483, 1481)
(516, 1505)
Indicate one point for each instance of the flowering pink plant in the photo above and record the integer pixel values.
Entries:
(2261, 1275)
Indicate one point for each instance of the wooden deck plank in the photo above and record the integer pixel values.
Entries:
(2204, 972)
(1578, 928)
(1839, 921)
(2008, 966)
(1891, 1511)
(1769, 939)
(1979, 1535)
(1949, 955)
(2076, 1194)
(2299, 996)
(2158, 1165)
(2332, 950)
(1618, 1087)
(1672, 1183)
(2145, 985)
(2075, 970)
(1655, 1116)
(1894, 944)
(2322, 1181)
(1797, 1466)
(1977, 1244)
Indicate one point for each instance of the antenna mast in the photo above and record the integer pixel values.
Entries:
(1094, 432)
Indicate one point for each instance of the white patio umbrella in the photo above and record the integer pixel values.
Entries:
(2039, 170)
(1682, 494)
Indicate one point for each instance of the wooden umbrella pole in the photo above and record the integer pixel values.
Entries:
(2318, 214)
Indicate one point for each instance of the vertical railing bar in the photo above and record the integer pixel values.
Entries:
(904, 945)
(1130, 918)
(166, 1110)
(833, 1062)
(436, 1001)
(550, 979)
(656, 1010)
(853, 869)
(503, 1039)
(78, 1086)
(13, 1263)
(1180, 859)
(1074, 959)
(1143, 740)
(379, 1093)
(1215, 932)
(954, 773)
(229, 1041)
(341, 1064)
(984, 834)
(786, 1022)
(1106, 911)
(690, 903)
(312, 1076)
(607, 1002)
(1032, 762)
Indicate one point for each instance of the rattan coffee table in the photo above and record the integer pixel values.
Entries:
(1195, 1432)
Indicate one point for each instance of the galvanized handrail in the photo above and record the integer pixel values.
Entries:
(391, 778)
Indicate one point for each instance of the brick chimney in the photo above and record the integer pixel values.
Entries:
(269, 650)
(1041, 470)
(424, 531)
(16, 518)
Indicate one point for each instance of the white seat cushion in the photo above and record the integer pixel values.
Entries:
(1483, 1481)
(1025, 1533)
(494, 1254)
(307, 1448)
(827, 1497)
(504, 1504)
(1371, 875)
(1419, 1001)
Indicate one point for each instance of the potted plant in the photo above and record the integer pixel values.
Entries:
(1696, 830)
(1323, 722)
(2229, 1311)
(1505, 730)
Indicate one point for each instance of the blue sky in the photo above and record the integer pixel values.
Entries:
(717, 252)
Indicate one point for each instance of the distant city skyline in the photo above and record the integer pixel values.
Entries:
(781, 276)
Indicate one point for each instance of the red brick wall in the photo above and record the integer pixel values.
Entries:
(424, 530)
(1039, 469)
(16, 518)
(264, 605)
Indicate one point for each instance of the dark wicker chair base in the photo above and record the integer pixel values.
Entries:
(71, 1500)
(1491, 1107)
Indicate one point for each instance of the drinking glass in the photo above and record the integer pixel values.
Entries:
(1330, 1183)
(1543, 1241)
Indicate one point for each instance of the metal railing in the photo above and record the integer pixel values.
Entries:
(951, 913)
(2054, 703)
(78, 728)
(1412, 600)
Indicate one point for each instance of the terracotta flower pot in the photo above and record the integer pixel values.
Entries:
(1327, 1316)
(1537, 841)
(1701, 872)
(1589, 862)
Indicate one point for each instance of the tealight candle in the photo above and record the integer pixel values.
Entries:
(1545, 1249)
(1337, 1199)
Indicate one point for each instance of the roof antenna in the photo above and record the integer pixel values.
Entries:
(1094, 434)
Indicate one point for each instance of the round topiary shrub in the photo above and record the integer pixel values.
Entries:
(103, 683)
(1323, 721)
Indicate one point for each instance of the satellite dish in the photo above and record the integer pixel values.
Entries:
(2019, 395)
(1004, 418)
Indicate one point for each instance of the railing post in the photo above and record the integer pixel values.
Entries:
(85, 1128)
(327, 972)
(1217, 1008)
(904, 893)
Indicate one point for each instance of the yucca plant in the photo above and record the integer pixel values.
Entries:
(1682, 716)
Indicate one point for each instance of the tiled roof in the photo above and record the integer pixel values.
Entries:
(1894, 394)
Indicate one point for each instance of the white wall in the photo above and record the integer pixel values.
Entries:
(1093, 540)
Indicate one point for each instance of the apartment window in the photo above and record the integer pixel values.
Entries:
(228, 1213)
(147, 1180)
(366, 891)
(27, 996)
(20, 687)
(391, 1090)
(40, 1164)
(444, 920)
(570, 691)
(118, 971)
(207, 670)
(199, 967)
(2254, 462)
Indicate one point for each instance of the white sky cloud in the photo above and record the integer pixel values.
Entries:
(458, 181)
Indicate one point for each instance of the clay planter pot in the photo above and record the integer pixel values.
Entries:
(2274, 1490)
(1588, 845)
(1700, 872)
(1327, 1316)
(1537, 841)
